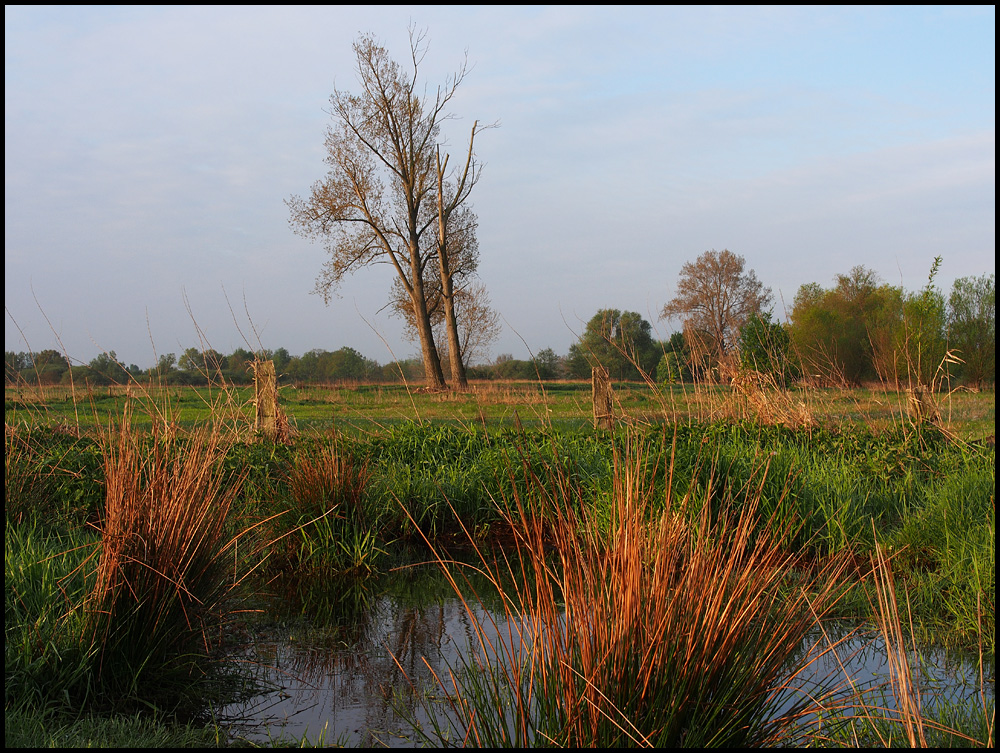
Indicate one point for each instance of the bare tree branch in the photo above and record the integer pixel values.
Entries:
(383, 192)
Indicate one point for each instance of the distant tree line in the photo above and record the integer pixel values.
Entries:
(858, 331)
(200, 367)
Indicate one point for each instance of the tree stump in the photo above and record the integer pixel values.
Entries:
(604, 417)
(266, 385)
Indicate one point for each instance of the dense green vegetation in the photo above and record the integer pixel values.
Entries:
(339, 502)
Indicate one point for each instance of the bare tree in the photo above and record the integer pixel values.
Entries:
(476, 323)
(384, 194)
(715, 297)
(448, 204)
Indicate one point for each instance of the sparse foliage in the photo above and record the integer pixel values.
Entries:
(715, 296)
(477, 324)
(384, 196)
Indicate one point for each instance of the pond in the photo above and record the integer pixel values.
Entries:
(342, 661)
(358, 666)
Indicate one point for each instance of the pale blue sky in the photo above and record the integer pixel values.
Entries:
(149, 151)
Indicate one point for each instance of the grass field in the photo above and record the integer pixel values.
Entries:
(161, 507)
(968, 415)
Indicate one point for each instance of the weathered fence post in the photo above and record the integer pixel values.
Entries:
(604, 417)
(266, 385)
(921, 406)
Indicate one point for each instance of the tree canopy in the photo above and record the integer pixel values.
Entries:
(972, 326)
(385, 198)
(766, 346)
(715, 297)
(621, 342)
(837, 332)
(864, 330)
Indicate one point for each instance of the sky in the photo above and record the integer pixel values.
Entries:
(149, 152)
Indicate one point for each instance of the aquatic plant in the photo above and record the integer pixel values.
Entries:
(673, 626)
(168, 577)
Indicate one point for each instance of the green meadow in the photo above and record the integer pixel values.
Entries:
(969, 415)
(695, 544)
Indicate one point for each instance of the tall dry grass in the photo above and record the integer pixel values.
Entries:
(903, 681)
(915, 717)
(169, 574)
(641, 620)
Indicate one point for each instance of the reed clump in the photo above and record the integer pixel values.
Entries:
(328, 479)
(326, 525)
(642, 620)
(761, 397)
(168, 577)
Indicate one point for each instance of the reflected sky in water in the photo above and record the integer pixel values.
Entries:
(341, 668)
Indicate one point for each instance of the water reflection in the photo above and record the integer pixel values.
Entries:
(342, 661)
(343, 668)
(860, 654)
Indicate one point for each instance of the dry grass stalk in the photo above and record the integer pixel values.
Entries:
(21, 482)
(909, 710)
(759, 397)
(500, 393)
(921, 407)
(904, 683)
(166, 567)
(662, 626)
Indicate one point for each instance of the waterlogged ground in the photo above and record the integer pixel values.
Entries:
(359, 669)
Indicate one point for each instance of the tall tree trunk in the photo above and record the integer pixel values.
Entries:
(458, 374)
(432, 363)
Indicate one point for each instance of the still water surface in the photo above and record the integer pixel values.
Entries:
(350, 669)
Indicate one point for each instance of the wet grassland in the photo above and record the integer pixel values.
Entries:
(663, 575)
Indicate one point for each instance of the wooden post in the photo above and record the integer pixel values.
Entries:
(921, 406)
(267, 398)
(604, 417)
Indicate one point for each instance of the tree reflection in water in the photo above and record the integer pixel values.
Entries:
(333, 657)
(326, 652)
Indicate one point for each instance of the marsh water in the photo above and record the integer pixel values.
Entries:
(359, 664)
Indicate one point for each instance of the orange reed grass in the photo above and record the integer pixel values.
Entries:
(168, 571)
(643, 620)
